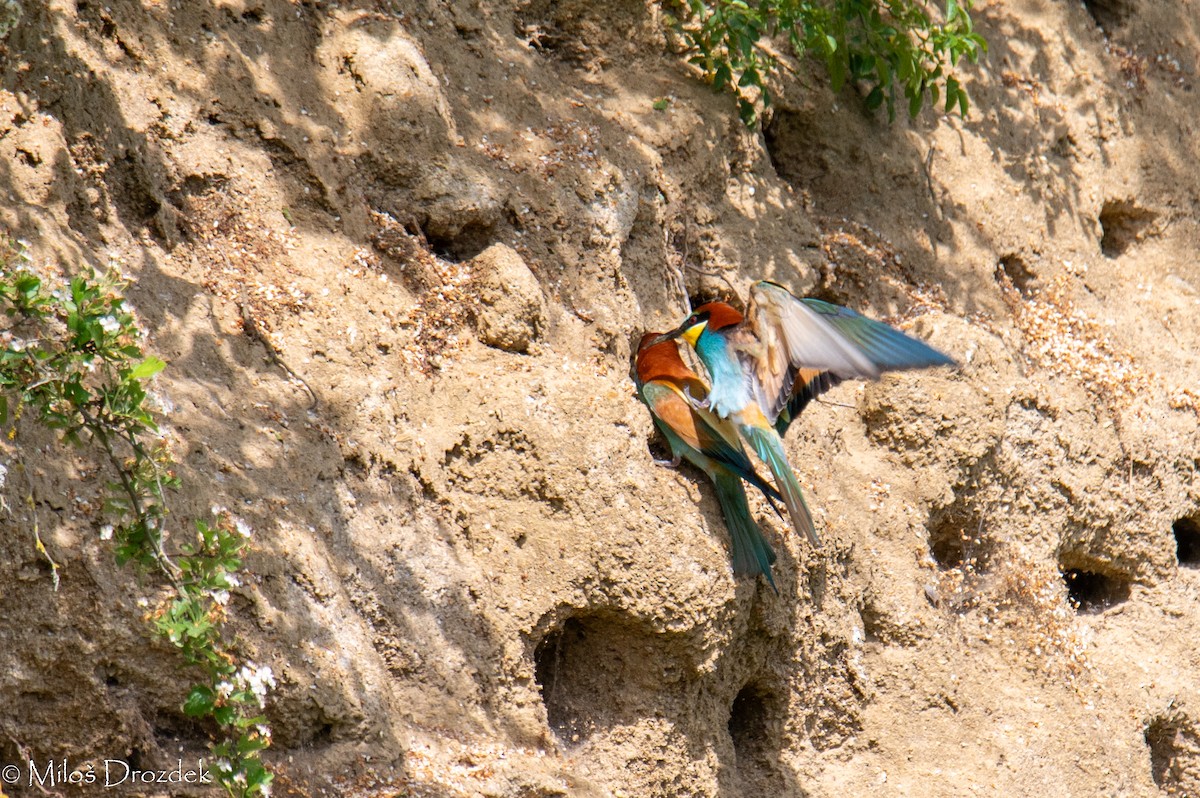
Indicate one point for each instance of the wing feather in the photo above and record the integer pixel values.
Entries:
(797, 335)
(673, 410)
(807, 335)
(707, 433)
(884, 346)
(807, 385)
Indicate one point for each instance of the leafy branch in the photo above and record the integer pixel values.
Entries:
(895, 45)
(72, 357)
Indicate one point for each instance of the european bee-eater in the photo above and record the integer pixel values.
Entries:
(766, 367)
(710, 443)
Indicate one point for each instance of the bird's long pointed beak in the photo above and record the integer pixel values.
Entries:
(667, 336)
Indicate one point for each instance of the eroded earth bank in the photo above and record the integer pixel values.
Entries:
(451, 220)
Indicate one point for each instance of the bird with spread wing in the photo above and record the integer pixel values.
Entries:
(766, 366)
(710, 443)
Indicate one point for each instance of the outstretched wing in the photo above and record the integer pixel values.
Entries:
(807, 384)
(799, 335)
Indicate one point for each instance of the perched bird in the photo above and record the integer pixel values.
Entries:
(764, 368)
(710, 443)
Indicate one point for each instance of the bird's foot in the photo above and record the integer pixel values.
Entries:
(672, 463)
(699, 404)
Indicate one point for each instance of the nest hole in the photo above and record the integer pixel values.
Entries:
(1187, 542)
(580, 31)
(597, 670)
(1108, 14)
(1093, 592)
(1174, 754)
(748, 721)
(460, 244)
(1124, 223)
(957, 540)
(1017, 271)
(753, 728)
(716, 290)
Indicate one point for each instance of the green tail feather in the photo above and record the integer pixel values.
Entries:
(752, 555)
(769, 446)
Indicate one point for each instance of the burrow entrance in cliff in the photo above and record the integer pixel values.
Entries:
(1187, 542)
(1109, 14)
(1093, 589)
(756, 727)
(1013, 269)
(599, 669)
(1123, 223)
(1091, 592)
(958, 539)
(1094, 582)
(1174, 743)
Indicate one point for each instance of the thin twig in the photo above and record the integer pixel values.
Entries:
(676, 259)
(168, 568)
(718, 275)
(31, 501)
(254, 332)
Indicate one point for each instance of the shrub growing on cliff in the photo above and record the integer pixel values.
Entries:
(894, 45)
(71, 359)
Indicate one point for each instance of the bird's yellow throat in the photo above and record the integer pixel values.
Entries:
(691, 334)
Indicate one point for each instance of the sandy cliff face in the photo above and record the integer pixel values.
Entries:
(451, 220)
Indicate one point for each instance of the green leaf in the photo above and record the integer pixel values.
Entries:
(951, 93)
(722, 76)
(746, 112)
(915, 100)
(837, 72)
(249, 745)
(199, 701)
(147, 368)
